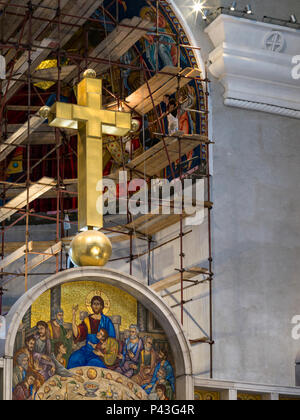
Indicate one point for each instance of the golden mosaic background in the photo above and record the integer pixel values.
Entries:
(116, 301)
(249, 397)
(40, 310)
(207, 396)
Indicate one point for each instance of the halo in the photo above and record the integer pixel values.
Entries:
(97, 293)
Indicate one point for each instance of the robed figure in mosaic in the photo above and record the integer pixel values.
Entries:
(87, 331)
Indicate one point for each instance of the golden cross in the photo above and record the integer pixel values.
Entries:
(91, 122)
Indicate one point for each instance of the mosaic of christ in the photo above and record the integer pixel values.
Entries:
(86, 340)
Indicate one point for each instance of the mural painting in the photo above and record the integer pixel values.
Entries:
(87, 340)
(201, 395)
(174, 112)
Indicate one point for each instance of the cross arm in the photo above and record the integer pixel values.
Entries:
(121, 126)
(65, 115)
(61, 116)
(113, 123)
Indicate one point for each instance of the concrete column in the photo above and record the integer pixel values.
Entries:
(116, 320)
(55, 300)
(142, 317)
(229, 395)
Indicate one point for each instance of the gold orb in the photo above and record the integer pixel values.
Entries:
(44, 112)
(91, 248)
(90, 74)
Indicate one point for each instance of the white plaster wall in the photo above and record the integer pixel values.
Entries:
(256, 229)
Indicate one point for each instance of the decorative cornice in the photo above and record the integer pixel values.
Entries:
(253, 61)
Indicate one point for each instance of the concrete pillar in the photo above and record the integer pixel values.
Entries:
(116, 320)
(229, 395)
(55, 300)
(142, 317)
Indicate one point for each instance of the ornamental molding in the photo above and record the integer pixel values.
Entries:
(253, 61)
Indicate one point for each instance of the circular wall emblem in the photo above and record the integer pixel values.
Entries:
(274, 41)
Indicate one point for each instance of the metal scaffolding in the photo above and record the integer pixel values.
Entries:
(21, 44)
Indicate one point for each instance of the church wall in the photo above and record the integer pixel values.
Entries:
(256, 229)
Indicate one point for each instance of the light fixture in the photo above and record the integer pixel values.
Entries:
(233, 6)
(204, 15)
(197, 7)
(293, 18)
(249, 9)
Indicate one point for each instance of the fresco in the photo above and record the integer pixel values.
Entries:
(201, 395)
(87, 340)
(248, 397)
(122, 82)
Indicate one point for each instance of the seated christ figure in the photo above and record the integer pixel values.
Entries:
(87, 331)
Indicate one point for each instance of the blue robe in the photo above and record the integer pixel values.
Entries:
(86, 356)
(169, 376)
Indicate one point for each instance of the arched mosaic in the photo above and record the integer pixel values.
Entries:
(88, 340)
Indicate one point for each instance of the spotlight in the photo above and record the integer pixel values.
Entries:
(233, 6)
(249, 9)
(204, 15)
(293, 18)
(197, 7)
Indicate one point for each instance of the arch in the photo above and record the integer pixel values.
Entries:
(189, 33)
(152, 301)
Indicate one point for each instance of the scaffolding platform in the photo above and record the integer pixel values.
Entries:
(154, 160)
(176, 278)
(35, 191)
(42, 35)
(165, 84)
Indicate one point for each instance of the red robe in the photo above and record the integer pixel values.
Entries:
(83, 329)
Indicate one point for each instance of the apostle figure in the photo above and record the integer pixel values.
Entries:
(20, 370)
(147, 363)
(163, 374)
(107, 349)
(60, 353)
(33, 358)
(58, 333)
(161, 392)
(42, 339)
(160, 379)
(27, 389)
(132, 348)
(87, 332)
